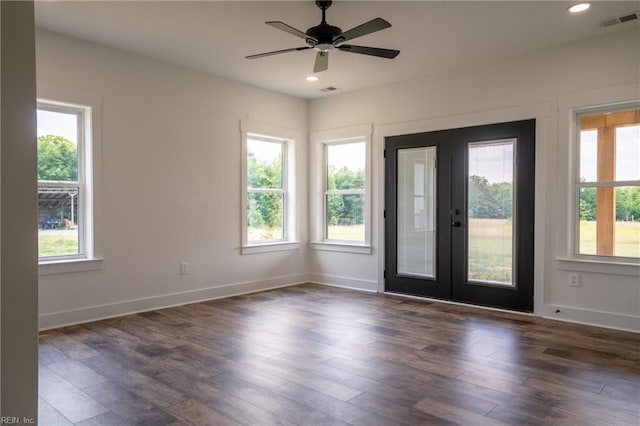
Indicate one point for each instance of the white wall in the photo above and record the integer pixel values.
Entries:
(18, 240)
(170, 161)
(171, 180)
(531, 84)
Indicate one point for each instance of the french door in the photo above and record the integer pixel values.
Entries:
(459, 214)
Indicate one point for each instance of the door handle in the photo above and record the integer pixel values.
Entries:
(455, 223)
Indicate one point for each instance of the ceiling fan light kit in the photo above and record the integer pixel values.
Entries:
(324, 38)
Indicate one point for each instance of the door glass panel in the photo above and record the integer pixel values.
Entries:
(490, 214)
(416, 212)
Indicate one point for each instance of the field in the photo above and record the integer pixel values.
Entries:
(627, 238)
(346, 232)
(489, 243)
(490, 250)
(342, 232)
(57, 242)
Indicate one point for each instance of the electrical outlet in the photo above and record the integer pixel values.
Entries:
(184, 268)
(574, 279)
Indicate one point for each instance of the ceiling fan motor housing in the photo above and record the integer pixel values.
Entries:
(323, 37)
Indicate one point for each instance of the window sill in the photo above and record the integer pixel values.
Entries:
(599, 266)
(270, 247)
(69, 266)
(341, 247)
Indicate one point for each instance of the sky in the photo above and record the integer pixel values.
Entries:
(492, 160)
(59, 124)
(263, 151)
(349, 155)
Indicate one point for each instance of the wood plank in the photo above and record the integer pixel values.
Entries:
(66, 398)
(316, 355)
(606, 197)
(196, 413)
(265, 398)
(107, 419)
(127, 405)
(455, 414)
(614, 119)
(49, 416)
(399, 413)
(76, 373)
(344, 411)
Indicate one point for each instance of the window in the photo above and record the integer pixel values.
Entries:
(265, 190)
(608, 182)
(268, 178)
(344, 191)
(65, 225)
(342, 180)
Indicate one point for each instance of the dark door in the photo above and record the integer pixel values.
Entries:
(459, 214)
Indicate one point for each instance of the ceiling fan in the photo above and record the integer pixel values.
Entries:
(324, 38)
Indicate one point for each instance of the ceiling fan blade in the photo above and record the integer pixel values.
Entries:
(322, 62)
(277, 52)
(372, 51)
(364, 29)
(288, 29)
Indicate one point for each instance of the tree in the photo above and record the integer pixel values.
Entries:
(264, 209)
(348, 207)
(57, 159)
(588, 204)
(490, 201)
(628, 203)
(503, 200)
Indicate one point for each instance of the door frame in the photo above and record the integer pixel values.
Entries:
(543, 156)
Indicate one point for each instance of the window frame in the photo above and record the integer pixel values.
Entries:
(286, 137)
(577, 113)
(565, 258)
(89, 253)
(321, 141)
(82, 180)
(327, 191)
(282, 191)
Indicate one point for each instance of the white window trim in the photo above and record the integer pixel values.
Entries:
(288, 137)
(89, 178)
(569, 106)
(319, 140)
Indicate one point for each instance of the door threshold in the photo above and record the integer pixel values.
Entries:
(451, 302)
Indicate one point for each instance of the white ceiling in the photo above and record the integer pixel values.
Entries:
(433, 36)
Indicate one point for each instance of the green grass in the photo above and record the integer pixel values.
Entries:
(346, 232)
(264, 234)
(490, 250)
(627, 238)
(57, 244)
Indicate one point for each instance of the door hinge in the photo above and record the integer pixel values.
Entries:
(384, 214)
(384, 153)
(384, 274)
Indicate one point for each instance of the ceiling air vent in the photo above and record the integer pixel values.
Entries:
(621, 19)
(329, 89)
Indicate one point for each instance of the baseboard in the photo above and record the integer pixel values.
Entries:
(589, 317)
(95, 313)
(344, 282)
(99, 312)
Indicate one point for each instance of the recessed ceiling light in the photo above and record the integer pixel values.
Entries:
(579, 7)
(312, 78)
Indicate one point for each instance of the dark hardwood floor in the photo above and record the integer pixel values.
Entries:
(315, 355)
